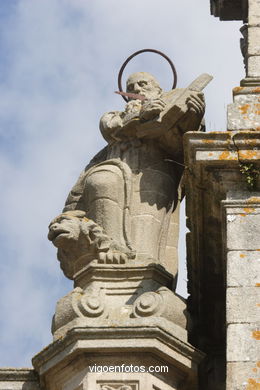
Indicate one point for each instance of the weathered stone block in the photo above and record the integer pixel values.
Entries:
(243, 342)
(254, 11)
(253, 40)
(253, 66)
(243, 304)
(243, 268)
(244, 113)
(243, 374)
(243, 229)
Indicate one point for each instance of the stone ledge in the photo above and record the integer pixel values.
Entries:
(221, 147)
(18, 379)
(144, 269)
(18, 374)
(247, 89)
(250, 82)
(154, 338)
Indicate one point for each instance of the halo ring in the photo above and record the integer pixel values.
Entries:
(143, 51)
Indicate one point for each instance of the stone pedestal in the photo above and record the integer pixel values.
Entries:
(118, 293)
(223, 198)
(125, 321)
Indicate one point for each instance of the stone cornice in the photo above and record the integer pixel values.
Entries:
(18, 374)
(221, 148)
(152, 338)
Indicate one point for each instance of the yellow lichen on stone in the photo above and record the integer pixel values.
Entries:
(253, 385)
(237, 89)
(254, 199)
(226, 155)
(256, 334)
(248, 155)
(249, 210)
(244, 108)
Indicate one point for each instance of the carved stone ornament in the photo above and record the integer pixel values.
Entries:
(89, 304)
(76, 236)
(118, 387)
(148, 304)
(161, 303)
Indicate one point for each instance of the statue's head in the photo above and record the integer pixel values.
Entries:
(65, 232)
(145, 84)
(66, 228)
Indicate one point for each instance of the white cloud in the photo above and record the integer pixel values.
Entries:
(57, 78)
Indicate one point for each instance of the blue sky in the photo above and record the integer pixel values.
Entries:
(58, 71)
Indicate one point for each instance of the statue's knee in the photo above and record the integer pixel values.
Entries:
(105, 183)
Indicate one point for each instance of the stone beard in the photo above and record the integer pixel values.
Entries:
(130, 190)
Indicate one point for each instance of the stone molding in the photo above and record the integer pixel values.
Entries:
(146, 332)
(19, 379)
(18, 374)
(156, 337)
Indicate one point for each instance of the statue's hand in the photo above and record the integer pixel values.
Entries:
(151, 109)
(196, 103)
(133, 106)
(110, 122)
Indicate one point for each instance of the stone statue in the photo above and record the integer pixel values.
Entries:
(124, 206)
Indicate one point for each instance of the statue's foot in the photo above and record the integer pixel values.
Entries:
(112, 257)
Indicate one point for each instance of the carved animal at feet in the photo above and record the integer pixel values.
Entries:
(76, 236)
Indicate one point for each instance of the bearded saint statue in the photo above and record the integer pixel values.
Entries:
(129, 193)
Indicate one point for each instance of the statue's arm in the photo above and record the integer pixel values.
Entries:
(110, 123)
